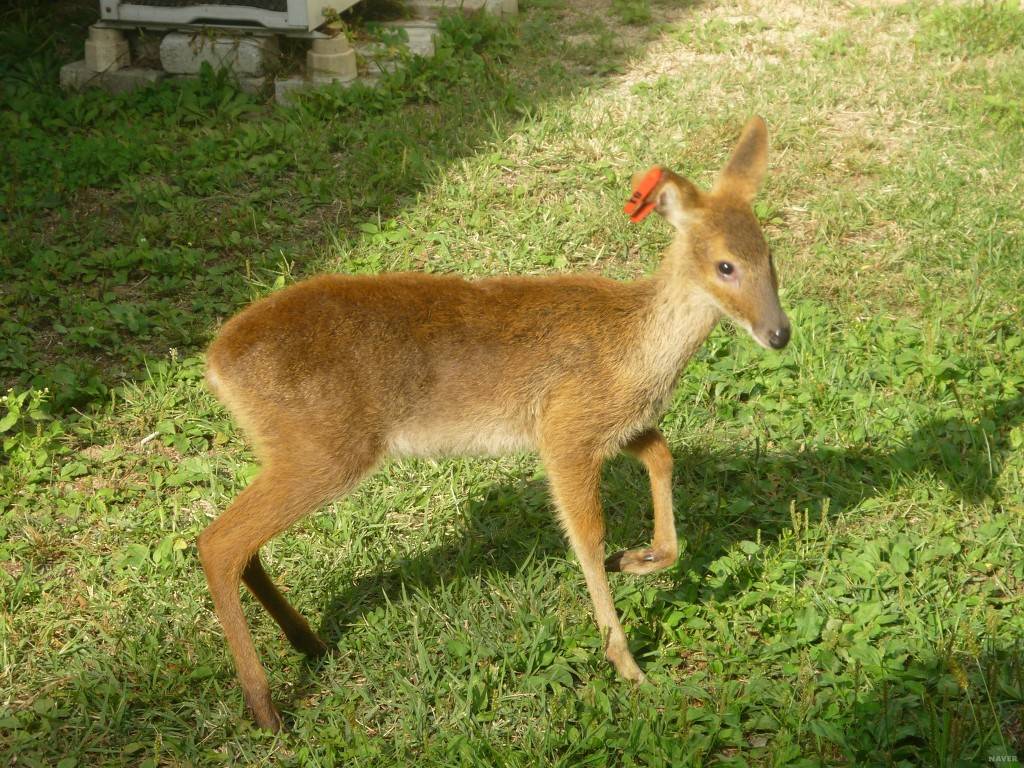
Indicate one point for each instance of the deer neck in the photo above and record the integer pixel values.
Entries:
(681, 316)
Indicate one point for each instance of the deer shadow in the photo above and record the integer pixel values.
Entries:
(513, 522)
(964, 455)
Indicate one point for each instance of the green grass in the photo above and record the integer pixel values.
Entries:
(970, 30)
(850, 587)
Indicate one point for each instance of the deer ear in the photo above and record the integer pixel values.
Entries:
(677, 200)
(742, 175)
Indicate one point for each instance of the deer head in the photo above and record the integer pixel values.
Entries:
(719, 246)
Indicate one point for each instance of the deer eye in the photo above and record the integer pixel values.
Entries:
(726, 268)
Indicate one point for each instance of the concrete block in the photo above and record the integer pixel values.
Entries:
(376, 58)
(374, 61)
(431, 9)
(502, 7)
(106, 50)
(332, 57)
(420, 33)
(251, 85)
(249, 55)
(79, 75)
(286, 88)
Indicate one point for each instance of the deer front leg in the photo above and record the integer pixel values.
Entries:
(574, 484)
(652, 451)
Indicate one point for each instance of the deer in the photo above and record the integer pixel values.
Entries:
(330, 376)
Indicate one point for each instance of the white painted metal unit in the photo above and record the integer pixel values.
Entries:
(294, 16)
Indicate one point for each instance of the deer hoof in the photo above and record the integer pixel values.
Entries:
(266, 716)
(625, 665)
(640, 561)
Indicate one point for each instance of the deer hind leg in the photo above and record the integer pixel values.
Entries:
(278, 497)
(652, 451)
(575, 486)
(292, 623)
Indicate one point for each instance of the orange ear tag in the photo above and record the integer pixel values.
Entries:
(638, 206)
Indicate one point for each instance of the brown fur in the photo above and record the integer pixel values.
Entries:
(333, 374)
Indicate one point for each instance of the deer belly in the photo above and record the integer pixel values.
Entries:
(464, 437)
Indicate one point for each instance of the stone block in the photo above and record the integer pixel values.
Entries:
(432, 9)
(79, 75)
(106, 50)
(332, 57)
(254, 86)
(502, 7)
(248, 55)
(287, 87)
(420, 34)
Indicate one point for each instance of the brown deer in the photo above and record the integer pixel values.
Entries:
(333, 374)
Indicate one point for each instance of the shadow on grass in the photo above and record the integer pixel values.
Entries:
(135, 223)
(965, 456)
(943, 709)
(512, 524)
(923, 713)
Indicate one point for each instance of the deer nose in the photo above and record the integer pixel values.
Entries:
(779, 337)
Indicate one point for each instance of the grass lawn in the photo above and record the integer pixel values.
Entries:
(852, 510)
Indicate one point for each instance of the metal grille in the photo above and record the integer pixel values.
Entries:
(280, 6)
